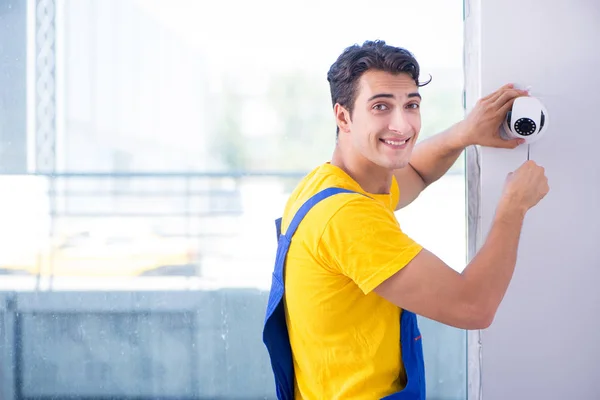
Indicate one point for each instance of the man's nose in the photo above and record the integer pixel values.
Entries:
(399, 123)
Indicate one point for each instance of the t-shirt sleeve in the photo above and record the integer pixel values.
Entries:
(364, 242)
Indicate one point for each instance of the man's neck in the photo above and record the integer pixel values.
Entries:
(372, 178)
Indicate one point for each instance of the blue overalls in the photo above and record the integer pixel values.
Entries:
(275, 333)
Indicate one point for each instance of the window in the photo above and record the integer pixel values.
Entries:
(163, 137)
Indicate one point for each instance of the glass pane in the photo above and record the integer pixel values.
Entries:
(146, 148)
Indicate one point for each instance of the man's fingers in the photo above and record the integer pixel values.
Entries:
(498, 91)
(501, 95)
(516, 142)
(496, 95)
(510, 144)
(507, 96)
(506, 106)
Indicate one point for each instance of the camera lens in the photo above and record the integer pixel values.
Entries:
(525, 126)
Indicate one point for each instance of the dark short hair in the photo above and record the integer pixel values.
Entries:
(344, 74)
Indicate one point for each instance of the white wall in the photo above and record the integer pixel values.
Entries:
(544, 342)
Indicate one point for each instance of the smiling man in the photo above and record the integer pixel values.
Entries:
(348, 282)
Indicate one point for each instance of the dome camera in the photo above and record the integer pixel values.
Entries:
(527, 119)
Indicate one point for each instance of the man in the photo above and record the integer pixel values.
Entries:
(345, 325)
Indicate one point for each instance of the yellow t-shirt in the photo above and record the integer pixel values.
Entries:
(345, 338)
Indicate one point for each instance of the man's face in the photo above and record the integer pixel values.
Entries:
(386, 119)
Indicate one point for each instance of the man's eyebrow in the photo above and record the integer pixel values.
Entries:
(381, 95)
(391, 96)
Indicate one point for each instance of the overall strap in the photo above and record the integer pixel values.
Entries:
(275, 332)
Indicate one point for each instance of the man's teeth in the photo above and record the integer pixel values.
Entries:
(395, 142)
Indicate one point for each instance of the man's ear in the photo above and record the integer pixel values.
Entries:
(342, 118)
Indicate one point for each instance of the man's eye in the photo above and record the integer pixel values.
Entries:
(380, 107)
(414, 105)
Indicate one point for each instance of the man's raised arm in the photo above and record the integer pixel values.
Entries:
(433, 157)
(469, 300)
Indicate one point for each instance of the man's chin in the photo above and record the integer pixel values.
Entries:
(390, 163)
(398, 165)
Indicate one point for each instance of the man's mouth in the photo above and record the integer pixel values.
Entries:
(395, 143)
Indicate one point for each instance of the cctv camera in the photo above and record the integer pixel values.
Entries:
(527, 119)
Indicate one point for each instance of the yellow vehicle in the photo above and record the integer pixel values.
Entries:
(97, 253)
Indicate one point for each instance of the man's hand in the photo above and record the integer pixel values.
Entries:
(524, 188)
(481, 126)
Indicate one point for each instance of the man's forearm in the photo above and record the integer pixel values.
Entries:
(490, 272)
(434, 156)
